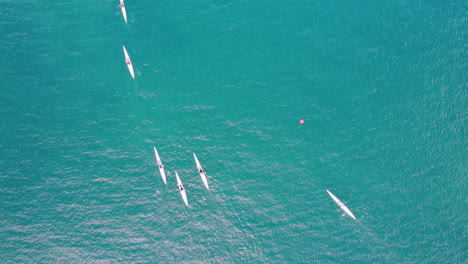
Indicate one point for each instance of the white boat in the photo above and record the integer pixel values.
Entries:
(201, 172)
(160, 165)
(124, 12)
(341, 204)
(129, 63)
(181, 189)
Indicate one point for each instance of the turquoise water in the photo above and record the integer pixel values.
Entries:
(381, 87)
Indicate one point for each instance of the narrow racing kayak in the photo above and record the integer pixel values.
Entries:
(124, 12)
(128, 62)
(181, 189)
(341, 204)
(160, 166)
(201, 172)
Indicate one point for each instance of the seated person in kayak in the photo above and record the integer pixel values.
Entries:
(201, 171)
(181, 188)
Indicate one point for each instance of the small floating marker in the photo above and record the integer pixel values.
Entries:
(301, 121)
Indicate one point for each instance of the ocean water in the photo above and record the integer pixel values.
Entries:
(381, 85)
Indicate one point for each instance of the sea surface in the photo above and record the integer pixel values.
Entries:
(381, 86)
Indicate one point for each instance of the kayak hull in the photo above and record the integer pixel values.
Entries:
(124, 12)
(181, 189)
(342, 206)
(160, 165)
(205, 181)
(163, 175)
(129, 65)
(203, 174)
(130, 69)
